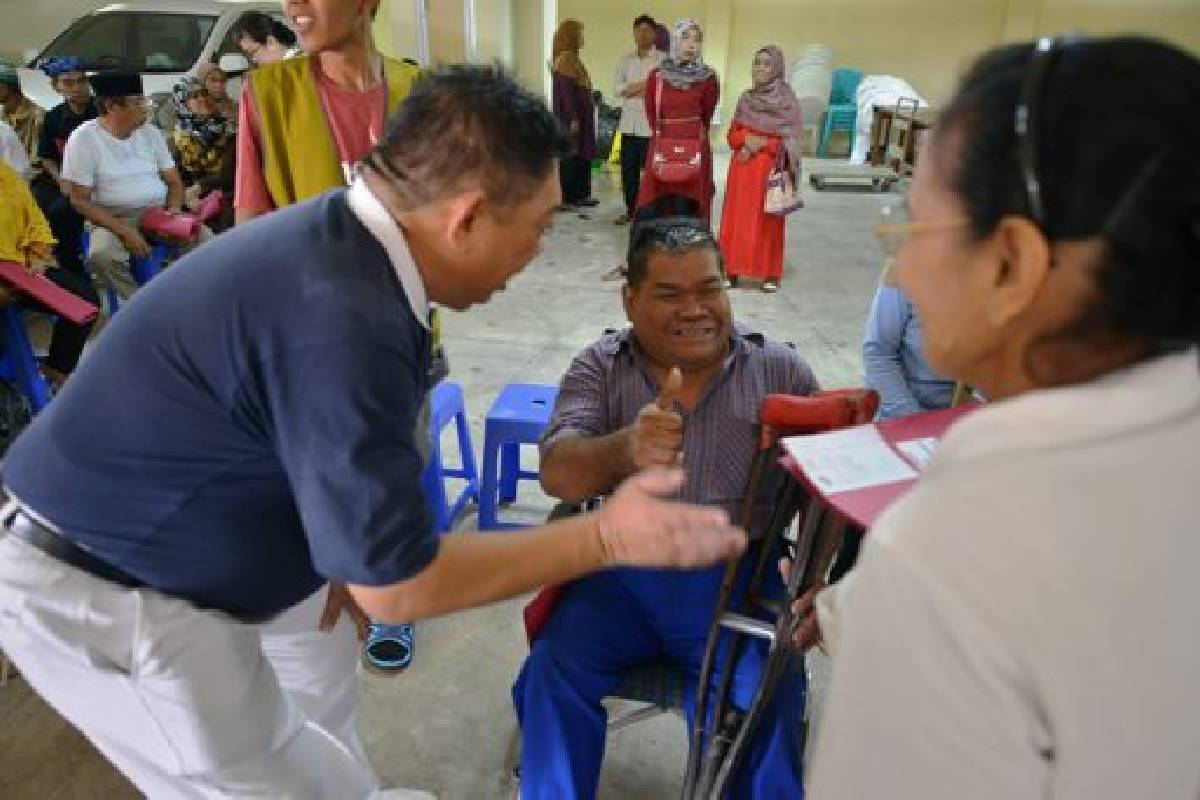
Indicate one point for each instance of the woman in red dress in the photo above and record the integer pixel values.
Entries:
(766, 127)
(689, 92)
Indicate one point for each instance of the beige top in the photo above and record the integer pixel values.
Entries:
(633, 68)
(1025, 623)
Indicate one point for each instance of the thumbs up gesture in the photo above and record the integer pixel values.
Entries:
(656, 436)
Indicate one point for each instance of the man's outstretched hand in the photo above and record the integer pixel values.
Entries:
(639, 527)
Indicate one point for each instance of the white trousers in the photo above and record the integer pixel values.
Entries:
(188, 703)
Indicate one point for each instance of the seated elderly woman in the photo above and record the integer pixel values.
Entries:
(1023, 623)
(204, 145)
(893, 363)
(683, 382)
(26, 239)
(216, 86)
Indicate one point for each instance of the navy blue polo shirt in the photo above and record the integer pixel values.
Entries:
(246, 428)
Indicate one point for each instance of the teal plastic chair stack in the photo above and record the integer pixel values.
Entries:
(843, 111)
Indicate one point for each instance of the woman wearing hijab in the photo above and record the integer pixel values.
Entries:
(681, 96)
(766, 129)
(204, 145)
(216, 85)
(575, 110)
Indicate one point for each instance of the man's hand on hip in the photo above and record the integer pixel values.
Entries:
(638, 527)
(339, 600)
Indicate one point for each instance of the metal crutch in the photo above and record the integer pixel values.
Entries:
(719, 740)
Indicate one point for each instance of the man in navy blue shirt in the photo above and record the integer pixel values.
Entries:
(250, 428)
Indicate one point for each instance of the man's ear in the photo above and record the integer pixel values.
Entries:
(462, 214)
(1021, 264)
(627, 301)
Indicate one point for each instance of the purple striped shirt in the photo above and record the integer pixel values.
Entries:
(610, 381)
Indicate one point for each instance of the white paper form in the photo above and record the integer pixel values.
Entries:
(918, 451)
(842, 461)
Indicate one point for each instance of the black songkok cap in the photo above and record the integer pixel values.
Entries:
(116, 84)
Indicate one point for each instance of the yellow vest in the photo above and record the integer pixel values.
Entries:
(299, 159)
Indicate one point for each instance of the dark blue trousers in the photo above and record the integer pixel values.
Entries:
(615, 620)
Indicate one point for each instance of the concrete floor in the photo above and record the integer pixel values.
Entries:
(446, 725)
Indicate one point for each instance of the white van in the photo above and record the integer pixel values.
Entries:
(164, 40)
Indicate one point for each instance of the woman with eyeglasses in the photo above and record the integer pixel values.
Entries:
(1023, 623)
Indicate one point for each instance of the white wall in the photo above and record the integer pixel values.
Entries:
(31, 24)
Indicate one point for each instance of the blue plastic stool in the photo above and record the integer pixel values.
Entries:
(842, 114)
(519, 415)
(448, 406)
(143, 269)
(19, 365)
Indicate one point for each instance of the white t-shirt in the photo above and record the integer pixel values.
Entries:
(122, 173)
(1025, 622)
(12, 153)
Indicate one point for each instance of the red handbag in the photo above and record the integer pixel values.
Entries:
(783, 195)
(674, 159)
(162, 225)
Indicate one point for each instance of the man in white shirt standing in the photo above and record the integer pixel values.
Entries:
(118, 167)
(630, 82)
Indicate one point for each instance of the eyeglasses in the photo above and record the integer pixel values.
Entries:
(896, 227)
(253, 52)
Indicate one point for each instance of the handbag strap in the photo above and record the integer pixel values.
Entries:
(658, 109)
(781, 157)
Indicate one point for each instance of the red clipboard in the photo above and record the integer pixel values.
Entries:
(50, 294)
(864, 506)
(210, 206)
(162, 225)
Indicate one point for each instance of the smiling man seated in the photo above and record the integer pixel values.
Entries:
(684, 382)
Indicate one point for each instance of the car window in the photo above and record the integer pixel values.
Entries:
(139, 41)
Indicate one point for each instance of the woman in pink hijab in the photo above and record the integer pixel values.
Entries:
(765, 131)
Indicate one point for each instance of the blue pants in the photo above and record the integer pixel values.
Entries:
(615, 620)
